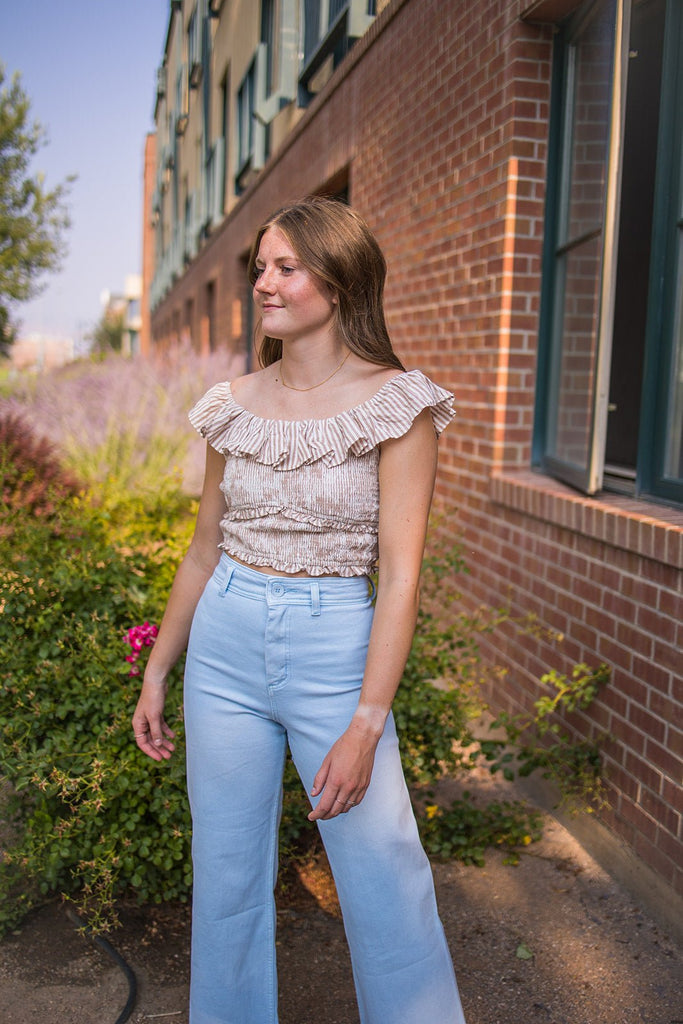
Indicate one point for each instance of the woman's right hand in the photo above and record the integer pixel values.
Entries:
(152, 735)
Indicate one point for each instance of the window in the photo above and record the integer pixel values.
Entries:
(189, 228)
(215, 183)
(251, 136)
(610, 398)
(194, 47)
(277, 58)
(330, 27)
(181, 103)
(210, 316)
(225, 132)
(268, 38)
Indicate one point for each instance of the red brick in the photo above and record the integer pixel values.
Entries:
(636, 816)
(643, 771)
(647, 723)
(659, 625)
(654, 857)
(668, 710)
(662, 758)
(670, 845)
(660, 811)
(675, 744)
(672, 793)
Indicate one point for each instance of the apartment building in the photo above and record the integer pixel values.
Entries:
(522, 166)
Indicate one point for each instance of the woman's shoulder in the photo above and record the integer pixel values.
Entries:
(367, 380)
(246, 385)
(400, 399)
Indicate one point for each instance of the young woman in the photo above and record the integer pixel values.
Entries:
(320, 467)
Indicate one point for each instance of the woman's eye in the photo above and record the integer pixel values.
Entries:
(287, 270)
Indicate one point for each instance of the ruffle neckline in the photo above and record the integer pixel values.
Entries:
(289, 444)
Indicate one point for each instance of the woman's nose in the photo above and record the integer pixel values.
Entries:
(263, 282)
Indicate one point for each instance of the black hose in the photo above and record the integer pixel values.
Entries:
(118, 960)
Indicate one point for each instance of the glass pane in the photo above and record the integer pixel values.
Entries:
(311, 28)
(592, 56)
(579, 253)
(674, 440)
(336, 8)
(574, 376)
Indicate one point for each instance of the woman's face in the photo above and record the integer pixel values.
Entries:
(293, 302)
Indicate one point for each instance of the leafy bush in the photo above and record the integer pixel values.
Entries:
(92, 815)
(32, 475)
(438, 694)
(538, 742)
(89, 814)
(464, 831)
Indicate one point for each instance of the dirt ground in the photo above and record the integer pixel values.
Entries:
(552, 941)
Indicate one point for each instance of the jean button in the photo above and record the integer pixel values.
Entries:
(278, 589)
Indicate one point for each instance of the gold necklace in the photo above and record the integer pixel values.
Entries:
(313, 386)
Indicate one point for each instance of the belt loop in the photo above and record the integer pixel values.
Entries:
(230, 568)
(372, 589)
(315, 598)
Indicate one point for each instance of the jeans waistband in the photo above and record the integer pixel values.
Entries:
(292, 589)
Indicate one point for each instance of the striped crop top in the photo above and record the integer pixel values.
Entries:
(303, 495)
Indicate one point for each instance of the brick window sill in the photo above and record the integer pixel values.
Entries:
(641, 527)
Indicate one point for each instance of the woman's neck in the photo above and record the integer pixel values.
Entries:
(306, 368)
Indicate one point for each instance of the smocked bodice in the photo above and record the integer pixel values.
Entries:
(303, 495)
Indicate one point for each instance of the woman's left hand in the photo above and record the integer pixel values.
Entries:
(344, 775)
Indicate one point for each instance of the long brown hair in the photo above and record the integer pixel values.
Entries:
(335, 244)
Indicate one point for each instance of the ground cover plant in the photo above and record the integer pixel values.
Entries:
(82, 588)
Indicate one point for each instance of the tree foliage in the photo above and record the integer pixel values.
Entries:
(33, 218)
(107, 334)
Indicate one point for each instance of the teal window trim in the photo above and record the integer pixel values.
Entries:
(666, 273)
(555, 135)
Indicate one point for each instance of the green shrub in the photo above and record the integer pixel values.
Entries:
(32, 477)
(92, 815)
(538, 741)
(464, 831)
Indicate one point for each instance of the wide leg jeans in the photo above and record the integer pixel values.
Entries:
(274, 661)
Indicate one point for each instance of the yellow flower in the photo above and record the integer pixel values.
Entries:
(431, 810)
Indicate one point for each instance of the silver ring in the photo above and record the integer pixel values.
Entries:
(139, 735)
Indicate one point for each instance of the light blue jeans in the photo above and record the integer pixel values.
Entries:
(271, 661)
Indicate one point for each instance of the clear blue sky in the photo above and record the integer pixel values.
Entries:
(88, 67)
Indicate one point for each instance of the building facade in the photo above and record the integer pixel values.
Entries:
(125, 307)
(521, 164)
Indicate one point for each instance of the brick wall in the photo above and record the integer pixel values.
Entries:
(438, 121)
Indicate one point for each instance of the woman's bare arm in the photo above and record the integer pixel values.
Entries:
(152, 734)
(407, 473)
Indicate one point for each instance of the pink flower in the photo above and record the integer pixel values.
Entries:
(138, 637)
